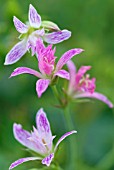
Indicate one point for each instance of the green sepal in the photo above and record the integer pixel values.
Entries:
(50, 25)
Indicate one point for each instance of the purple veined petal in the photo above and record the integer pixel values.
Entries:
(21, 135)
(72, 70)
(83, 70)
(63, 74)
(67, 56)
(20, 26)
(16, 52)
(39, 32)
(32, 40)
(43, 127)
(25, 70)
(34, 17)
(42, 122)
(63, 137)
(47, 160)
(40, 44)
(22, 160)
(57, 37)
(95, 95)
(24, 137)
(39, 47)
(41, 86)
(33, 37)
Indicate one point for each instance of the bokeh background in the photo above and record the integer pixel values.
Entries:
(92, 26)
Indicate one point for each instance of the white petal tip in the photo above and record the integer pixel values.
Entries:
(30, 5)
(5, 63)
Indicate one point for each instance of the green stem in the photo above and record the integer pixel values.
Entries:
(108, 161)
(72, 141)
(72, 147)
(56, 93)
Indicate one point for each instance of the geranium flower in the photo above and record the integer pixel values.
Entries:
(46, 63)
(31, 31)
(81, 86)
(40, 140)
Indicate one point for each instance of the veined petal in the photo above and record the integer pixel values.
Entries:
(24, 137)
(83, 70)
(41, 86)
(72, 71)
(16, 53)
(67, 56)
(34, 36)
(32, 40)
(96, 95)
(20, 26)
(63, 74)
(39, 32)
(63, 137)
(34, 17)
(25, 70)
(39, 47)
(47, 160)
(57, 37)
(21, 135)
(44, 130)
(22, 160)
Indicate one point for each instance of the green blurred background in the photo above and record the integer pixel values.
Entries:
(92, 26)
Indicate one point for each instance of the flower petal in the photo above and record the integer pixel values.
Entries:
(47, 160)
(83, 70)
(63, 74)
(72, 71)
(44, 130)
(40, 48)
(21, 135)
(41, 86)
(63, 137)
(25, 70)
(67, 56)
(42, 123)
(22, 160)
(96, 95)
(34, 17)
(24, 137)
(20, 27)
(50, 25)
(16, 53)
(32, 40)
(57, 37)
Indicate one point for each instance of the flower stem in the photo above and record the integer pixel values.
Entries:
(72, 141)
(56, 93)
(72, 147)
(108, 161)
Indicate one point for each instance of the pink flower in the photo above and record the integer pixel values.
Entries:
(48, 69)
(81, 86)
(30, 32)
(40, 140)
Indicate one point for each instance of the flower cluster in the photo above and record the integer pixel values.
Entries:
(31, 31)
(33, 36)
(48, 69)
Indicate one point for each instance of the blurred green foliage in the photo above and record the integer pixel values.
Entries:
(92, 26)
